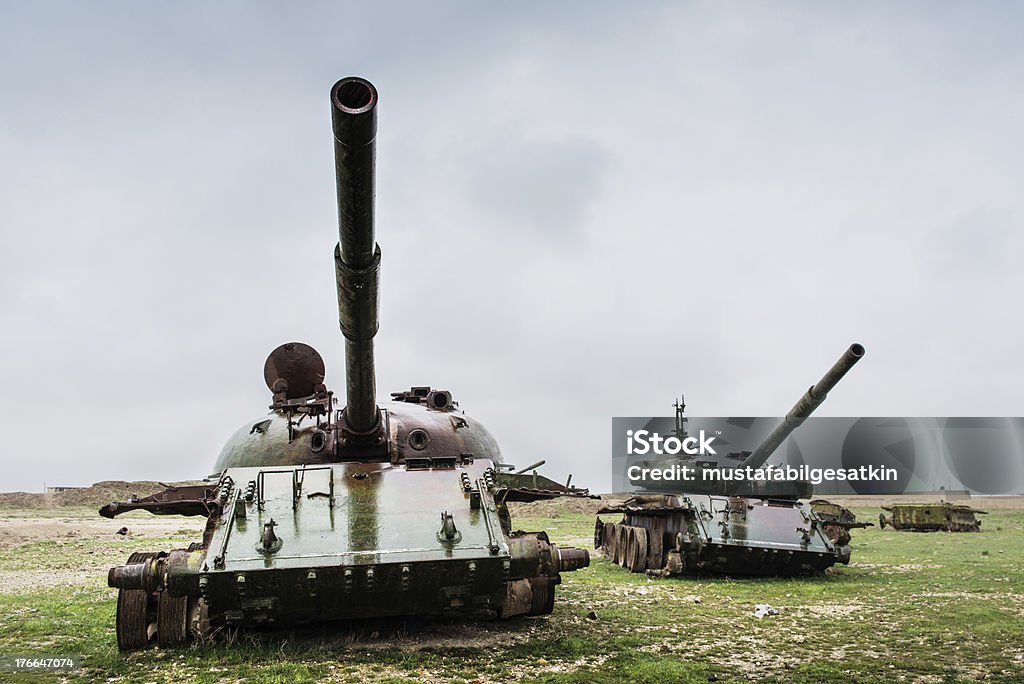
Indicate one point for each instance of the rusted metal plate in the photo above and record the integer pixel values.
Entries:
(298, 366)
(186, 500)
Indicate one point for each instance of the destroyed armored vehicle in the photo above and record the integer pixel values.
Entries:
(323, 511)
(838, 520)
(930, 517)
(730, 527)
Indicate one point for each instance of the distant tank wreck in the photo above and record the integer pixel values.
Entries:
(733, 527)
(930, 517)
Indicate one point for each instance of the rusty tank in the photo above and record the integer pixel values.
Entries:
(838, 520)
(330, 508)
(730, 527)
(931, 517)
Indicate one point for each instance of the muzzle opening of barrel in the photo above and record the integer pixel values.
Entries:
(354, 96)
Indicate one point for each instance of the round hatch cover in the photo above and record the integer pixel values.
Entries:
(298, 365)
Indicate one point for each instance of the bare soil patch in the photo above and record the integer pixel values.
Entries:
(26, 530)
(86, 546)
(99, 494)
(555, 508)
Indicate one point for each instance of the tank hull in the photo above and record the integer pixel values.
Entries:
(348, 541)
(695, 534)
(931, 517)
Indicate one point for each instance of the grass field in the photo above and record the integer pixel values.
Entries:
(910, 607)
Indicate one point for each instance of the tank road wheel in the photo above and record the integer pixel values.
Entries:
(639, 559)
(171, 619)
(608, 540)
(543, 596)
(629, 547)
(134, 619)
(657, 542)
(140, 556)
(598, 534)
(881, 521)
(620, 545)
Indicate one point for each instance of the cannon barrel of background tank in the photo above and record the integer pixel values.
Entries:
(805, 407)
(357, 256)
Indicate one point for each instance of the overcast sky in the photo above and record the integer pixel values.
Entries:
(584, 209)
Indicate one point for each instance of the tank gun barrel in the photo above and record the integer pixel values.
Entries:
(357, 256)
(805, 407)
(532, 466)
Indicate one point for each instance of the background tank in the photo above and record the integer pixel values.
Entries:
(726, 527)
(931, 517)
(319, 511)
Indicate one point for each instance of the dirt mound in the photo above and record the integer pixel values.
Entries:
(555, 508)
(98, 494)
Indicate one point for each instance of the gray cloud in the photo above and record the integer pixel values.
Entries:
(542, 188)
(583, 210)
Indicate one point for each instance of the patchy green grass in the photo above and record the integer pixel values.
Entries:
(911, 607)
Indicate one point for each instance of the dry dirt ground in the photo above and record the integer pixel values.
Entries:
(101, 543)
(69, 520)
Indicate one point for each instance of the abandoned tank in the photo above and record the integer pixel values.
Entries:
(320, 511)
(838, 520)
(931, 517)
(729, 527)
